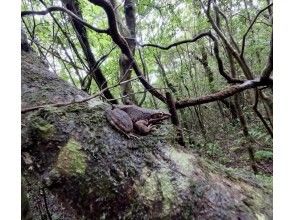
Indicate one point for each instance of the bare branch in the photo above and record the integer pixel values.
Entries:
(57, 8)
(224, 93)
(220, 63)
(66, 35)
(175, 119)
(228, 27)
(242, 62)
(215, 48)
(252, 23)
(197, 37)
(255, 108)
(123, 45)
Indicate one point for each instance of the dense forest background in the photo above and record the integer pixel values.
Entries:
(213, 59)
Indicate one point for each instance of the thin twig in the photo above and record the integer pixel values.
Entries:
(197, 37)
(255, 108)
(123, 45)
(57, 8)
(97, 65)
(67, 37)
(61, 104)
(252, 23)
(244, 66)
(215, 48)
(228, 27)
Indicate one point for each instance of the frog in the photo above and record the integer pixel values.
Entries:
(132, 120)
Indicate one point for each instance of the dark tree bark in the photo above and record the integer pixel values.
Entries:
(246, 134)
(242, 120)
(95, 70)
(175, 118)
(127, 31)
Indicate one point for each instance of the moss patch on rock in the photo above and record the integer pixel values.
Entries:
(263, 155)
(42, 129)
(181, 159)
(158, 185)
(71, 160)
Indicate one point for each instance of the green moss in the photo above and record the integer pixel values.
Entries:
(266, 180)
(149, 190)
(42, 128)
(256, 199)
(182, 160)
(96, 102)
(236, 149)
(260, 217)
(158, 184)
(71, 160)
(263, 155)
(167, 190)
(74, 108)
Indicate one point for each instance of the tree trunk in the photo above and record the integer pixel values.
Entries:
(95, 71)
(128, 31)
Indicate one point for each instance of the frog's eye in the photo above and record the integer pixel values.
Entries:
(160, 114)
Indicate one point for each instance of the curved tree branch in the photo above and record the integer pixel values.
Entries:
(215, 49)
(228, 27)
(252, 23)
(197, 37)
(255, 108)
(57, 8)
(241, 62)
(123, 45)
(224, 93)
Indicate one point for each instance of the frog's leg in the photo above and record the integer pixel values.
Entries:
(143, 127)
(134, 136)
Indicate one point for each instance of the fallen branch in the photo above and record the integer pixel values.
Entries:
(224, 93)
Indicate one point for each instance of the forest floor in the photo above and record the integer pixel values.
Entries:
(237, 157)
(231, 150)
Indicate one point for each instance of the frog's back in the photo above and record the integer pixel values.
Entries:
(119, 119)
(135, 112)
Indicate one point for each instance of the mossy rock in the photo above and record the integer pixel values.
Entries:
(263, 155)
(71, 160)
(42, 129)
